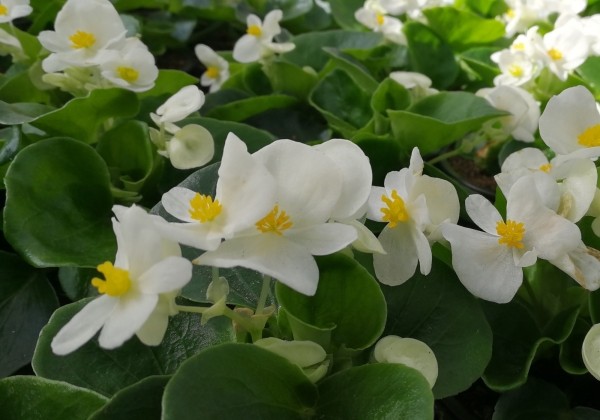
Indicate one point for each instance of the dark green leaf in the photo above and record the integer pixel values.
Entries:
(169, 82)
(343, 13)
(246, 108)
(358, 72)
(19, 113)
(534, 400)
(290, 79)
(570, 350)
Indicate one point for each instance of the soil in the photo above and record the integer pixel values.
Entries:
(472, 175)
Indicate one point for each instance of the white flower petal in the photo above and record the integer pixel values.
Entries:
(401, 258)
(192, 146)
(247, 49)
(166, 275)
(176, 202)
(153, 330)
(483, 213)
(324, 239)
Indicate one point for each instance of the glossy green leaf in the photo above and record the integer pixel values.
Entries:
(169, 82)
(26, 302)
(377, 391)
(590, 73)
(234, 381)
(534, 400)
(357, 71)
(487, 7)
(390, 95)
(10, 138)
(141, 400)
(347, 298)
(82, 118)
(439, 311)
(343, 13)
(108, 371)
(19, 113)
(33, 398)
(430, 55)
(76, 282)
(570, 350)
(245, 108)
(58, 205)
(290, 79)
(15, 88)
(463, 29)
(481, 67)
(439, 120)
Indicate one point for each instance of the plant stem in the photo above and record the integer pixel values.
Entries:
(194, 309)
(264, 294)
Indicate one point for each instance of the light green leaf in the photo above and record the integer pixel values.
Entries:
(357, 71)
(290, 79)
(245, 108)
(343, 13)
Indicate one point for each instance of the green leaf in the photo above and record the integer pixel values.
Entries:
(378, 391)
(245, 108)
(439, 311)
(357, 71)
(169, 82)
(347, 298)
(19, 87)
(108, 371)
(234, 381)
(20, 113)
(309, 46)
(141, 400)
(342, 102)
(11, 140)
(343, 13)
(290, 79)
(439, 120)
(26, 302)
(430, 55)
(81, 118)
(570, 350)
(534, 400)
(390, 95)
(58, 205)
(589, 71)
(76, 282)
(463, 29)
(33, 398)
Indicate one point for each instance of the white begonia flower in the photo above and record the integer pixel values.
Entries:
(245, 192)
(282, 242)
(414, 206)
(582, 264)
(83, 28)
(564, 49)
(520, 16)
(187, 100)
(417, 84)
(131, 67)
(11, 45)
(409, 352)
(489, 263)
(217, 68)
(570, 124)
(517, 68)
(13, 9)
(138, 290)
(590, 351)
(190, 146)
(377, 21)
(258, 42)
(525, 112)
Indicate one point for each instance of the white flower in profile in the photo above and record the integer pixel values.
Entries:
(83, 28)
(282, 242)
(524, 109)
(138, 290)
(414, 206)
(258, 42)
(530, 231)
(245, 193)
(570, 124)
(11, 45)
(564, 49)
(217, 68)
(131, 67)
(13, 9)
(190, 146)
(187, 100)
(417, 84)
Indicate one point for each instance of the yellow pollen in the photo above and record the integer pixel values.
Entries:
(395, 211)
(212, 72)
(203, 208)
(515, 70)
(511, 233)
(3, 10)
(510, 13)
(129, 74)
(555, 54)
(81, 39)
(545, 167)
(117, 281)
(276, 221)
(254, 30)
(380, 18)
(590, 137)
(518, 46)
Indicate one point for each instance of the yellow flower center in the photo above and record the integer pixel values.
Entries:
(511, 13)
(395, 211)
(380, 18)
(518, 46)
(3, 10)
(276, 221)
(545, 167)
(254, 30)
(117, 281)
(203, 208)
(511, 233)
(515, 70)
(129, 74)
(81, 39)
(590, 137)
(212, 72)
(555, 54)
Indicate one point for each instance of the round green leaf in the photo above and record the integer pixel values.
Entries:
(534, 400)
(26, 302)
(234, 381)
(347, 298)
(439, 311)
(107, 371)
(58, 205)
(378, 392)
(33, 398)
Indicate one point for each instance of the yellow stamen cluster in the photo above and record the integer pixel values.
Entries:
(590, 137)
(380, 18)
(515, 70)
(555, 54)
(545, 167)
(82, 39)
(3, 10)
(254, 30)
(117, 281)
(203, 208)
(212, 72)
(276, 222)
(395, 211)
(511, 233)
(129, 74)
(518, 46)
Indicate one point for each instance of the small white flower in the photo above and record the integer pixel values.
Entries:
(418, 84)
(517, 68)
(187, 100)
(138, 290)
(132, 67)
(564, 49)
(13, 9)
(190, 146)
(217, 68)
(378, 21)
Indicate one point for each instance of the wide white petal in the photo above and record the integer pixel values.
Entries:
(176, 202)
(577, 188)
(247, 49)
(483, 213)
(366, 241)
(324, 239)
(203, 236)
(187, 100)
(191, 147)
(582, 265)
(167, 275)
(153, 330)
(375, 204)
(401, 258)
(441, 199)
